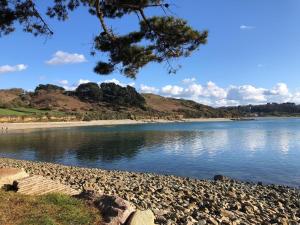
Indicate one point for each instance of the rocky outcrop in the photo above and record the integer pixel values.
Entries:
(142, 218)
(114, 210)
(117, 211)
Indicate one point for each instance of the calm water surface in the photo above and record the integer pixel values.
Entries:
(265, 150)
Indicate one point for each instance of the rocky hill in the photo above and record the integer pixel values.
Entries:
(91, 101)
(105, 101)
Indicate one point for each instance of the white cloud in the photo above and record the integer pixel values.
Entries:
(211, 94)
(295, 98)
(11, 69)
(247, 27)
(212, 90)
(281, 89)
(194, 90)
(148, 89)
(132, 84)
(189, 80)
(61, 57)
(279, 93)
(246, 94)
(172, 90)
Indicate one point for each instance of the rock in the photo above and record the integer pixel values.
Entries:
(114, 210)
(161, 220)
(202, 222)
(247, 209)
(142, 218)
(190, 221)
(231, 194)
(213, 221)
(227, 213)
(220, 177)
(9, 175)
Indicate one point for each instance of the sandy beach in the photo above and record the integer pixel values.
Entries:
(44, 125)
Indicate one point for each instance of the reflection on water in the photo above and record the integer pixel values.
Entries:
(263, 150)
(284, 141)
(254, 139)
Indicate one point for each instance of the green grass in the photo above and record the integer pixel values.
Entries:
(28, 112)
(10, 112)
(50, 209)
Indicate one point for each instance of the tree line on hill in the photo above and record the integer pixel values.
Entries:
(106, 92)
(269, 109)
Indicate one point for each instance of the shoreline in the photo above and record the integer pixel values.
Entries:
(178, 200)
(46, 125)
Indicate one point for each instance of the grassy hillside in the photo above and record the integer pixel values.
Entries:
(107, 101)
(185, 108)
(50, 209)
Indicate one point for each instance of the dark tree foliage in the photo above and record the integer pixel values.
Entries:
(23, 12)
(158, 39)
(48, 87)
(123, 96)
(89, 92)
(110, 93)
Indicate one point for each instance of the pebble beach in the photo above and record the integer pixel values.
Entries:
(177, 200)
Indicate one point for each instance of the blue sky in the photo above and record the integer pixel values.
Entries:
(252, 54)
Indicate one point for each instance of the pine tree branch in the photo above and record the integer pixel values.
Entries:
(141, 11)
(101, 19)
(133, 6)
(38, 15)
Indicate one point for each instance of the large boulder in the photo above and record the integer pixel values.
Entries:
(9, 175)
(114, 210)
(142, 218)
